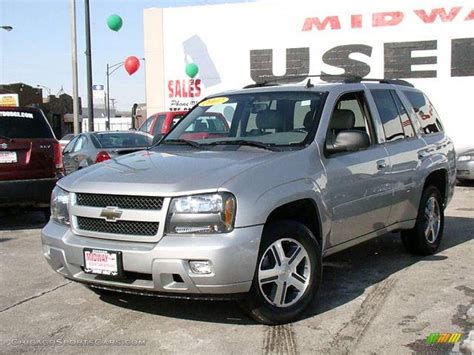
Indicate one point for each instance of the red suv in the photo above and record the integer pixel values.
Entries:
(30, 158)
(161, 123)
(209, 125)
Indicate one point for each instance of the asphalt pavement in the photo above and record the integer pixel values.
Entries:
(375, 298)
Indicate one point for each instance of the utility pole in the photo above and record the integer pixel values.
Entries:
(90, 103)
(75, 90)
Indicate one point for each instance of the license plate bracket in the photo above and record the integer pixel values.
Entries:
(103, 262)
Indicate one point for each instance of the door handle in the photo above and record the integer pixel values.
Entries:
(381, 164)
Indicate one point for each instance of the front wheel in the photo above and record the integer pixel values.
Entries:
(425, 237)
(287, 275)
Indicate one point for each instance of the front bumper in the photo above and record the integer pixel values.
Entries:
(152, 267)
(465, 170)
(34, 192)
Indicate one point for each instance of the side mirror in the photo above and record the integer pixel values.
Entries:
(157, 138)
(348, 141)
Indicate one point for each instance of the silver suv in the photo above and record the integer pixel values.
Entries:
(249, 209)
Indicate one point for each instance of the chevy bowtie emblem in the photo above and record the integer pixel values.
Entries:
(111, 214)
(4, 146)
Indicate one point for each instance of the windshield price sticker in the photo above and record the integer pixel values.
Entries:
(16, 114)
(214, 101)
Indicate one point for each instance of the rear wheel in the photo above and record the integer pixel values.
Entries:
(425, 237)
(287, 275)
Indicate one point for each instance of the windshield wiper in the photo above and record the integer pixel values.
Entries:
(180, 141)
(257, 144)
(7, 138)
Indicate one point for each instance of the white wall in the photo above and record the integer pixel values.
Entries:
(116, 124)
(219, 39)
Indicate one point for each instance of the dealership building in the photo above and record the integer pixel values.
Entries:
(430, 44)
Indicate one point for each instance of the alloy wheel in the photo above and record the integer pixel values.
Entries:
(284, 272)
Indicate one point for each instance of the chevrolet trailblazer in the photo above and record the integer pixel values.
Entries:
(304, 171)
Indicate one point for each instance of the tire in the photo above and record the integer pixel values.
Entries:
(289, 254)
(47, 214)
(425, 237)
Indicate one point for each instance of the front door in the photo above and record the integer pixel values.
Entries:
(358, 190)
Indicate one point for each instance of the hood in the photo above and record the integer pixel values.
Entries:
(174, 171)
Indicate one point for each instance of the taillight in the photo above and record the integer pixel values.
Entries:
(58, 156)
(102, 156)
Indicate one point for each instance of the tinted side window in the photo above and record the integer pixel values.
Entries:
(406, 123)
(389, 116)
(425, 112)
(24, 124)
(158, 125)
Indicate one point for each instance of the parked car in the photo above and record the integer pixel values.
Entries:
(65, 140)
(304, 172)
(161, 123)
(30, 158)
(210, 124)
(89, 148)
(465, 166)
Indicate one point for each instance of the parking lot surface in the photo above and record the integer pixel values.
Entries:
(375, 298)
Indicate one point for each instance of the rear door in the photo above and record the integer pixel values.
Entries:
(27, 145)
(402, 144)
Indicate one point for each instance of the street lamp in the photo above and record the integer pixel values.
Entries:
(7, 28)
(110, 70)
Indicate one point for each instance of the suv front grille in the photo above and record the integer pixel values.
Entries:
(120, 201)
(119, 227)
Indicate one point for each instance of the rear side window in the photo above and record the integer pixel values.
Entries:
(425, 112)
(24, 124)
(405, 118)
(388, 112)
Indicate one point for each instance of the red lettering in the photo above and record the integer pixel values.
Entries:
(387, 18)
(185, 92)
(170, 88)
(191, 88)
(470, 17)
(332, 21)
(356, 21)
(177, 89)
(198, 87)
(435, 13)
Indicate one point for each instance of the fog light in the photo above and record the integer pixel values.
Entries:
(200, 267)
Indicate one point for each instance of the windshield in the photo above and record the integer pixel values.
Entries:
(123, 140)
(272, 118)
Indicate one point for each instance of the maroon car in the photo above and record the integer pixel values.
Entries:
(30, 158)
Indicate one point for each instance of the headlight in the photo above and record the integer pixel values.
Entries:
(465, 158)
(202, 214)
(59, 206)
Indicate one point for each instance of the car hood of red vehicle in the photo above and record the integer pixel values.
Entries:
(175, 171)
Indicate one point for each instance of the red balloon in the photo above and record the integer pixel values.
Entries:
(131, 64)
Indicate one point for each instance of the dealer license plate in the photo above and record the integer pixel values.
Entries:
(103, 262)
(8, 157)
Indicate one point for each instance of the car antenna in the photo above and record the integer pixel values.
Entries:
(308, 84)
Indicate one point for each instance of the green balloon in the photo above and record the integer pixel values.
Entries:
(114, 22)
(192, 70)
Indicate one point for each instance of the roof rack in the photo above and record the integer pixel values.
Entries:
(348, 79)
